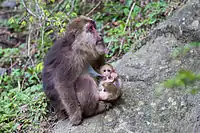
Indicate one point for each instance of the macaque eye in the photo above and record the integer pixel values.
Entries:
(104, 90)
(109, 70)
(93, 23)
(90, 28)
(104, 70)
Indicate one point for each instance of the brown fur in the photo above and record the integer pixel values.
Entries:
(65, 81)
(89, 99)
(110, 86)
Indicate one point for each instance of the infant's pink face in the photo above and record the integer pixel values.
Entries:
(106, 72)
(104, 95)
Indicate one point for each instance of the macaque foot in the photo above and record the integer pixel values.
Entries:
(103, 106)
(61, 114)
(76, 118)
(108, 106)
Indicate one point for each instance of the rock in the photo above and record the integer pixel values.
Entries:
(2, 71)
(9, 4)
(145, 106)
(194, 25)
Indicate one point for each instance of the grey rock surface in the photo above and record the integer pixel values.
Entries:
(2, 71)
(145, 107)
(9, 4)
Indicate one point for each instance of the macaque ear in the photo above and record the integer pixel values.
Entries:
(90, 28)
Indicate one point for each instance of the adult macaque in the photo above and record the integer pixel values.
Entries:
(66, 81)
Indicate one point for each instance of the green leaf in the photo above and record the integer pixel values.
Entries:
(139, 24)
(195, 44)
(126, 11)
(136, 10)
(39, 67)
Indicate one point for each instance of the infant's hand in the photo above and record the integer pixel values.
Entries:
(114, 75)
(109, 79)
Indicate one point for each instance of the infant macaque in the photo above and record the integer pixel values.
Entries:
(110, 85)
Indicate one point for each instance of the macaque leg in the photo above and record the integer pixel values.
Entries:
(70, 103)
(88, 96)
(61, 112)
(102, 106)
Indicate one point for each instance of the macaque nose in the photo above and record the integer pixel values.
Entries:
(107, 73)
(100, 34)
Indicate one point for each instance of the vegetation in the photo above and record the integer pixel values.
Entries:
(184, 79)
(39, 23)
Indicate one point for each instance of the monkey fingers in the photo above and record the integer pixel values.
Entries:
(108, 106)
(102, 106)
(114, 75)
(109, 79)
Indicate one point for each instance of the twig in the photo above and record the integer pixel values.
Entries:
(39, 10)
(129, 15)
(12, 65)
(43, 28)
(109, 44)
(17, 44)
(121, 46)
(4, 12)
(72, 7)
(93, 9)
(28, 10)
(7, 43)
(104, 26)
(5, 32)
(57, 7)
(29, 40)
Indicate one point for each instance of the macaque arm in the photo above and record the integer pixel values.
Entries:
(92, 72)
(98, 63)
(65, 87)
(70, 102)
(118, 83)
(102, 106)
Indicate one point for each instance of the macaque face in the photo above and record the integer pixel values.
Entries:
(106, 70)
(109, 92)
(99, 45)
(104, 94)
(108, 73)
(90, 40)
